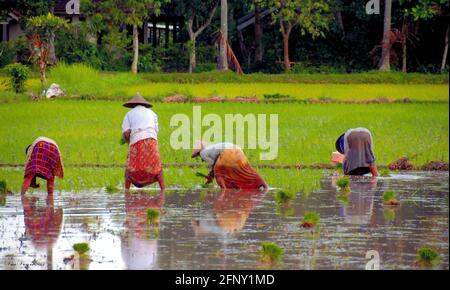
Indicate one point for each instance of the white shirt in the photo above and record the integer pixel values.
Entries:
(212, 152)
(143, 123)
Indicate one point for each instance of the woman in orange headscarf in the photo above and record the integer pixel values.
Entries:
(228, 164)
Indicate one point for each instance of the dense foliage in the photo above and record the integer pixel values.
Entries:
(340, 37)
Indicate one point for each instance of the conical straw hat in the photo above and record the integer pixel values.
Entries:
(137, 100)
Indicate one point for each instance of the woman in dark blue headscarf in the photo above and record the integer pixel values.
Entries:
(355, 149)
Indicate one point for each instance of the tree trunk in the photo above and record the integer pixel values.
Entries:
(194, 34)
(444, 57)
(258, 35)
(134, 65)
(223, 52)
(192, 55)
(51, 49)
(245, 53)
(385, 64)
(287, 62)
(340, 21)
(404, 46)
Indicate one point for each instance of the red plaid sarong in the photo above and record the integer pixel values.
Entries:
(42, 224)
(44, 161)
(144, 163)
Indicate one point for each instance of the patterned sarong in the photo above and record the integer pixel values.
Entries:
(233, 167)
(144, 163)
(42, 224)
(44, 160)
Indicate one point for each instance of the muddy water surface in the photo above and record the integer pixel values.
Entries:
(214, 230)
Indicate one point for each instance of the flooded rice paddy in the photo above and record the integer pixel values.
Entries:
(209, 229)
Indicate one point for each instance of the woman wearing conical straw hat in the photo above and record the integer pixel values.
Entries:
(229, 166)
(140, 130)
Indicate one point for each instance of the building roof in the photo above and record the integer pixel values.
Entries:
(60, 7)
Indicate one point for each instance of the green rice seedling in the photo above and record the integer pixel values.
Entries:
(111, 188)
(271, 253)
(153, 215)
(310, 219)
(207, 186)
(284, 197)
(344, 184)
(2, 199)
(389, 195)
(427, 256)
(3, 186)
(81, 248)
(201, 174)
(390, 198)
(385, 173)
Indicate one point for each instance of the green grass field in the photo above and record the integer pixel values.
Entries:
(83, 82)
(88, 132)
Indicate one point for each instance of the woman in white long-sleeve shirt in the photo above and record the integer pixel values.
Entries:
(140, 130)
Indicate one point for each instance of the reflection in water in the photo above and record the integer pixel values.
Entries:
(224, 230)
(42, 224)
(230, 211)
(360, 205)
(139, 249)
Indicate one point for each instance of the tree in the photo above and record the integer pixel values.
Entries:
(129, 12)
(259, 50)
(27, 7)
(135, 12)
(444, 57)
(223, 43)
(200, 14)
(412, 12)
(385, 64)
(311, 16)
(41, 31)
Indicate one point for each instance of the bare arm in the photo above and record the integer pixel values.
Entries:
(126, 135)
(374, 170)
(337, 158)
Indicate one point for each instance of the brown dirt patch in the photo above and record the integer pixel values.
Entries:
(240, 99)
(175, 99)
(214, 99)
(402, 163)
(436, 166)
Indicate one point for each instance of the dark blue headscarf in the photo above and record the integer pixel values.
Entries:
(340, 144)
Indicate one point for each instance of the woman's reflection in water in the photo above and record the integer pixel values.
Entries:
(42, 224)
(230, 212)
(139, 241)
(360, 206)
